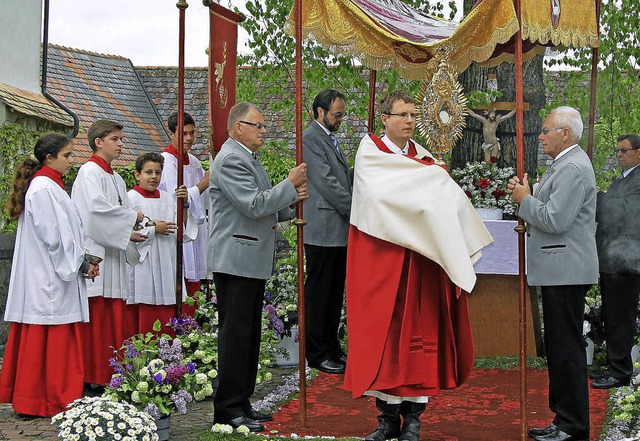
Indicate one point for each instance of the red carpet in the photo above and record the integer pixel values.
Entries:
(487, 407)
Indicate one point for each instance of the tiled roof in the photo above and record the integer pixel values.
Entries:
(33, 104)
(161, 84)
(97, 86)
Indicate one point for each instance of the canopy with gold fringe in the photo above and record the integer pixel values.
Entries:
(390, 34)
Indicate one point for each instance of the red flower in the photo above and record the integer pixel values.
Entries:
(498, 194)
(468, 193)
(493, 159)
(484, 183)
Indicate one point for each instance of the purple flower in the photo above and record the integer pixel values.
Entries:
(158, 378)
(192, 367)
(175, 374)
(116, 382)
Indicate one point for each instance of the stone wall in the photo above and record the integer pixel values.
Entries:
(6, 254)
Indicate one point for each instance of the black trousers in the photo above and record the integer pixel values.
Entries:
(323, 296)
(563, 315)
(240, 302)
(619, 312)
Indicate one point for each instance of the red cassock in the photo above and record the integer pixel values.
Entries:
(43, 368)
(409, 335)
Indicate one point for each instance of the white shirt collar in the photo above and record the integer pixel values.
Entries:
(244, 147)
(393, 147)
(626, 172)
(564, 152)
(327, 131)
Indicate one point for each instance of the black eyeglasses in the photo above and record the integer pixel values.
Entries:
(338, 115)
(403, 115)
(258, 126)
(623, 151)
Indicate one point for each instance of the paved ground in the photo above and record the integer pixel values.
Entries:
(183, 427)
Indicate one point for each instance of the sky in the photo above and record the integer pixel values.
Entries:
(145, 31)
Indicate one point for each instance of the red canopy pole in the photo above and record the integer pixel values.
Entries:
(182, 5)
(520, 229)
(592, 96)
(372, 100)
(300, 222)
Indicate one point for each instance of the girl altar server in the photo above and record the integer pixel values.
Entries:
(47, 299)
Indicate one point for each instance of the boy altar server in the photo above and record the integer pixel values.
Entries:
(152, 280)
(194, 253)
(100, 197)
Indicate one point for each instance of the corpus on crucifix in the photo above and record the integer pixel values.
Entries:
(490, 120)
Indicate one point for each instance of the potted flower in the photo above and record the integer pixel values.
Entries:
(486, 186)
(99, 418)
(151, 374)
(281, 296)
(200, 348)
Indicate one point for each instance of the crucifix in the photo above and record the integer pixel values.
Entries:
(490, 120)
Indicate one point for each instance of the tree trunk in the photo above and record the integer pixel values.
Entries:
(469, 147)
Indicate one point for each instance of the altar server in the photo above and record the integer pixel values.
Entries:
(194, 256)
(47, 300)
(101, 198)
(152, 274)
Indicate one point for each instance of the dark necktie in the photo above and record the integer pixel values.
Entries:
(255, 156)
(335, 142)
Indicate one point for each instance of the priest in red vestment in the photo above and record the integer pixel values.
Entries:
(413, 240)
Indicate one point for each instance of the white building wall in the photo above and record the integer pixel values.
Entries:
(20, 29)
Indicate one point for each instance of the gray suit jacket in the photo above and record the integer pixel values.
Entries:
(618, 235)
(245, 209)
(560, 216)
(328, 208)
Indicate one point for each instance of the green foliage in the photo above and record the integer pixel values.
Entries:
(508, 362)
(17, 143)
(277, 160)
(479, 98)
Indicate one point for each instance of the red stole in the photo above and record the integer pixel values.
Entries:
(408, 334)
(155, 194)
(174, 151)
(104, 165)
(50, 173)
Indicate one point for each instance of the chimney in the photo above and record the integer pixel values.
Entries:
(20, 47)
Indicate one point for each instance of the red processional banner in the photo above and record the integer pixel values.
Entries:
(223, 42)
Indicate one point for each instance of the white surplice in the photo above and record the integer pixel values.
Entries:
(108, 225)
(194, 253)
(152, 280)
(46, 286)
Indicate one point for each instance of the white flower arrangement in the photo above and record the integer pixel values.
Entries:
(226, 429)
(486, 185)
(99, 418)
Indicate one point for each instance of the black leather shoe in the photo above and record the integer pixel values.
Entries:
(558, 435)
(250, 424)
(609, 383)
(259, 415)
(328, 366)
(384, 432)
(596, 375)
(539, 431)
(342, 359)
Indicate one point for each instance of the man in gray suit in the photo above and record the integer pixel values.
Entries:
(618, 241)
(325, 236)
(245, 209)
(562, 260)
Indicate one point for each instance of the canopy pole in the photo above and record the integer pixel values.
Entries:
(520, 229)
(372, 100)
(592, 95)
(300, 223)
(182, 6)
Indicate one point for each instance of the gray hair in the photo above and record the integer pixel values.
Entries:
(570, 118)
(240, 111)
